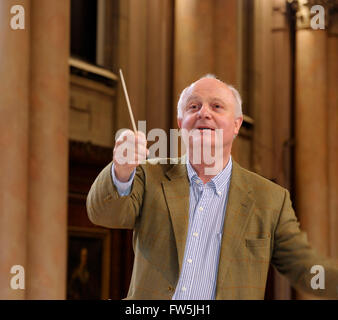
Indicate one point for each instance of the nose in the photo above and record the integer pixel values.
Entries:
(204, 112)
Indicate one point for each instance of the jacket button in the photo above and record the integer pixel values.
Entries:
(171, 289)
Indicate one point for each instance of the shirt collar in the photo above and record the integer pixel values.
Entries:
(218, 183)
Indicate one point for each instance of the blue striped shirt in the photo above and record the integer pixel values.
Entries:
(207, 205)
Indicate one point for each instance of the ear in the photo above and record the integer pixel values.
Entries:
(238, 123)
(179, 123)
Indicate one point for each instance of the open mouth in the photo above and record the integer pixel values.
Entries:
(205, 128)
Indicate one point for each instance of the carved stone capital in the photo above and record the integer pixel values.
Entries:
(304, 15)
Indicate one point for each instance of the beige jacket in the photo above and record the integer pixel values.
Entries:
(260, 228)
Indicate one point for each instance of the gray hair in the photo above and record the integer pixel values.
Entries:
(183, 98)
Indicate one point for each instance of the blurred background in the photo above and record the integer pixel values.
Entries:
(61, 102)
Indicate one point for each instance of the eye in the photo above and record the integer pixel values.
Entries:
(217, 106)
(192, 107)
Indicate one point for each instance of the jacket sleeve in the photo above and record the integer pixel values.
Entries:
(294, 257)
(105, 207)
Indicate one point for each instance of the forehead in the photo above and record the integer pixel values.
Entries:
(210, 89)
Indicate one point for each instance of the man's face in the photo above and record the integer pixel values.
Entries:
(210, 105)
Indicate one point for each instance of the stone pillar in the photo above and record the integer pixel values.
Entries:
(48, 165)
(262, 90)
(193, 48)
(159, 64)
(227, 41)
(206, 41)
(311, 131)
(132, 58)
(311, 135)
(333, 132)
(14, 95)
(281, 115)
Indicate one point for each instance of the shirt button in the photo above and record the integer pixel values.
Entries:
(189, 260)
(219, 193)
(184, 289)
(195, 234)
(200, 208)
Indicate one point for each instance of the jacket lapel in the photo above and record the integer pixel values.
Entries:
(176, 191)
(238, 212)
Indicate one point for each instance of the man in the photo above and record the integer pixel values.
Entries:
(207, 228)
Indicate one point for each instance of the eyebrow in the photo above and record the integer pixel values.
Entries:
(217, 100)
(193, 97)
(212, 100)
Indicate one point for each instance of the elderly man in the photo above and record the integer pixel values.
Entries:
(199, 233)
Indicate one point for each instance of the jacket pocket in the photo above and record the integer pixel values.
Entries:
(265, 242)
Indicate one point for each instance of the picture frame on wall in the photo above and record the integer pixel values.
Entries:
(88, 263)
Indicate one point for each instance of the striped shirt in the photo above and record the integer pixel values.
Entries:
(207, 205)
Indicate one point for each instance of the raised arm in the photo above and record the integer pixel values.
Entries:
(105, 206)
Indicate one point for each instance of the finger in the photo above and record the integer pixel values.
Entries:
(141, 135)
(128, 159)
(140, 159)
(126, 135)
(130, 137)
(140, 139)
(133, 146)
(141, 149)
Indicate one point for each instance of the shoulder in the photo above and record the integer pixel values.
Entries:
(259, 186)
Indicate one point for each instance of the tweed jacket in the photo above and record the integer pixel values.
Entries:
(260, 228)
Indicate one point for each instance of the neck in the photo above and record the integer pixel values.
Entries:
(207, 171)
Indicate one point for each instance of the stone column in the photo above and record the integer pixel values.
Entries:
(206, 41)
(227, 41)
(262, 90)
(14, 95)
(159, 64)
(311, 135)
(132, 58)
(48, 165)
(281, 115)
(194, 46)
(311, 132)
(333, 131)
